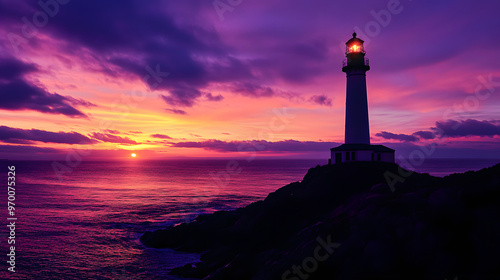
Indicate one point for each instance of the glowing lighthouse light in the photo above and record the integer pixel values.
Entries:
(354, 45)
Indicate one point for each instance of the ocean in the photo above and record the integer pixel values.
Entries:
(86, 223)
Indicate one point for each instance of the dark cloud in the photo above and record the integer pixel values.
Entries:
(112, 131)
(399, 137)
(106, 137)
(17, 149)
(26, 136)
(424, 134)
(183, 97)
(211, 97)
(148, 40)
(177, 111)
(258, 145)
(322, 100)
(11, 68)
(470, 127)
(449, 128)
(252, 89)
(161, 136)
(18, 94)
(18, 141)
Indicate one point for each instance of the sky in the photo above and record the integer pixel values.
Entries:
(99, 80)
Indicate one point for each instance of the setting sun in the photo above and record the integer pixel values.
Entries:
(133, 155)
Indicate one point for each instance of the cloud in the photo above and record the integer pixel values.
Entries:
(400, 137)
(18, 94)
(18, 141)
(177, 111)
(80, 102)
(26, 136)
(111, 131)
(427, 135)
(258, 145)
(148, 39)
(105, 137)
(211, 97)
(322, 100)
(11, 68)
(183, 97)
(161, 136)
(470, 127)
(449, 129)
(17, 149)
(252, 89)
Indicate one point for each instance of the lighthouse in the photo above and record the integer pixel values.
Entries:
(357, 145)
(357, 130)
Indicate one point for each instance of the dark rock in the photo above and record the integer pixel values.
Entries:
(424, 228)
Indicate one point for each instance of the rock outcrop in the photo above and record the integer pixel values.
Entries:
(360, 220)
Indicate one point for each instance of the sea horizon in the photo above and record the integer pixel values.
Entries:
(425, 165)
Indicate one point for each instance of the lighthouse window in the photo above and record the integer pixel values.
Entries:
(347, 154)
(354, 48)
(353, 156)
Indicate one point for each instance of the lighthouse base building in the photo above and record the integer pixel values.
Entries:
(357, 131)
(361, 152)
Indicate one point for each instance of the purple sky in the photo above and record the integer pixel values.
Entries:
(215, 71)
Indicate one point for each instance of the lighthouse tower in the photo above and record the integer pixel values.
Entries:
(357, 128)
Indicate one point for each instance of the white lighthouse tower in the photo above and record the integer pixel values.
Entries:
(357, 128)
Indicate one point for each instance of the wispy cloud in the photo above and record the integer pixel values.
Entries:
(161, 136)
(18, 94)
(25, 136)
(176, 111)
(322, 100)
(106, 137)
(400, 137)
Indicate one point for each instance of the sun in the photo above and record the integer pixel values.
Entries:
(133, 155)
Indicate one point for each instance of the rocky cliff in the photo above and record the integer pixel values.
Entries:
(360, 220)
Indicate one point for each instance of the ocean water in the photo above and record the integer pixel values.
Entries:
(86, 224)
